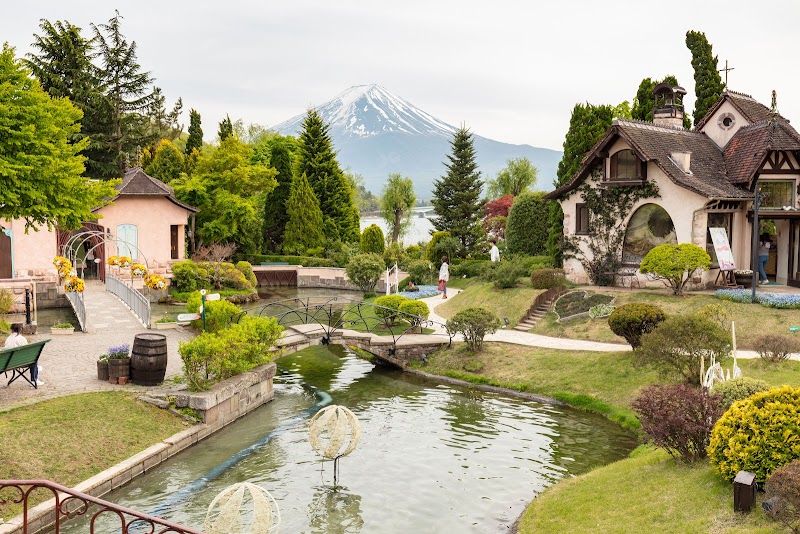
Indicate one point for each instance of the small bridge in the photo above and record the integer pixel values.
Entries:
(325, 320)
(299, 276)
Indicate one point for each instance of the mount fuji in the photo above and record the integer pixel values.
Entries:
(377, 133)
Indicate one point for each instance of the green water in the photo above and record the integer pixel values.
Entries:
(432, 458)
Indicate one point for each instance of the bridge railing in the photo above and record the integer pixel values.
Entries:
(78, 306)
(70, 503)
(137, 302)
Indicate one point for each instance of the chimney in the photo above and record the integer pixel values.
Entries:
(668, 105)
(683, 160)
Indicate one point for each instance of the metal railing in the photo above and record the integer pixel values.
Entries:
(134, 300)
(78, 306)
(71, 503)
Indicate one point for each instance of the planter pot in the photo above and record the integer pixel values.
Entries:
(119, 367)
(166, 326)
(62, 331)
(746, 281)
(102, 370)
(122, 380)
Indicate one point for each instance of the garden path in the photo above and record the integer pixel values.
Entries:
(68, 362)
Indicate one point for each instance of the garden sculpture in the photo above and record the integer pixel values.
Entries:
(265, 518)
(332, 428)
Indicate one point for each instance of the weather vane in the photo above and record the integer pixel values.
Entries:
(726, 70)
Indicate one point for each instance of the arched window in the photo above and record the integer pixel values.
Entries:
(625, 166)
(649, 227)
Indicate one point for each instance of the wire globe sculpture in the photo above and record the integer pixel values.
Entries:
(334, 432)
(230, 512)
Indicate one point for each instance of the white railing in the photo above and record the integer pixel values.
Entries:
(134, 300)
(396, 269)
(76, 301)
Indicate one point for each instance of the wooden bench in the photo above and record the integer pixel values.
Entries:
(20, 359)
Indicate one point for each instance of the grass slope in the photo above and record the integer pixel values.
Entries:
(512, 303)
(69, 439)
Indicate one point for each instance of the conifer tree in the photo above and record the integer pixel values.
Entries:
(317, 160)
(128, 90)
(225, 128)
(304, 227)
(195, 139)
(708, 84)
(275, 214)
(456, 196)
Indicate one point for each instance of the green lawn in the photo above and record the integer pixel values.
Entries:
(69, 439)
(752, 320)
(512, 303)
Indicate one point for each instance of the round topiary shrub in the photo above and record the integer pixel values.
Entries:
(419, 311)
(247, 270)
(738, 389)
(388, 306)
(372, 240)
(547, 278)
(783, 496)
(364, 271)
(632, 321)
(758, 434)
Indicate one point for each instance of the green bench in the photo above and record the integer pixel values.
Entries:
(18, 360)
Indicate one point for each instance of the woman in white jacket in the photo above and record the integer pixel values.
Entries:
(444, 276)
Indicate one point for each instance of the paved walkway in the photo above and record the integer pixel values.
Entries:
(69, 362)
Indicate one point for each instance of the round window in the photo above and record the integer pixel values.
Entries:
(726, 121)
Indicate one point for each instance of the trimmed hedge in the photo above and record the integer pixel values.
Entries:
(305, 261)
(389, 306)
(547, 278)
(416, 308)
(632, 321)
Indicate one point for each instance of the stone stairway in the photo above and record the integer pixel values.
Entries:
(538, 310)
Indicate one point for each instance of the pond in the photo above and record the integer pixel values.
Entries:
(432, 457)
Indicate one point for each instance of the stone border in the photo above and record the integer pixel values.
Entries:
(226, 402)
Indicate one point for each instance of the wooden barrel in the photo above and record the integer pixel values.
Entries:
(149, 359)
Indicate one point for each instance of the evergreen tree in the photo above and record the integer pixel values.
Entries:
(275, 214)
(587, 125)
(225, 128)
(163, 124)
(708, 84)
(195, 139)
(317, 160)
(128, 91)
(63, 65)
(304, 228)
(456, 196)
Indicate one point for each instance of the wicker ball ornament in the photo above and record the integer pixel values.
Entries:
(331, 428)
(227, 510)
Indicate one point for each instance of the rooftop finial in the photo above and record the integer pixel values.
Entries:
(773, 115)
(726, 70)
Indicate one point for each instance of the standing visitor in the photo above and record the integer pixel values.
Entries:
(16, 339)
(763, 256)
(494, 252)
(444, 276)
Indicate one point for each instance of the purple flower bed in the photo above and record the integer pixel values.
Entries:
(423, 293)
(772, 300)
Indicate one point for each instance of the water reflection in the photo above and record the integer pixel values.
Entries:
(335, 511)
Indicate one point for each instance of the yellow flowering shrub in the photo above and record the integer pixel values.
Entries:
(758, 434)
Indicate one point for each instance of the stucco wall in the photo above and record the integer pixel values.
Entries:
(153, 217)
(32, 253)
(717, 134)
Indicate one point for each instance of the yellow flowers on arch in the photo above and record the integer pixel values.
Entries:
(155, 281)
(137, 269)
(73, 284)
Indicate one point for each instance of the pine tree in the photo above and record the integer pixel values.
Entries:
(708, 84)
(304, 227)
(275, 214)
(225, 128)
(456, 196)
(63, 65)
(317, 160)
(195, 139)
(128, 91)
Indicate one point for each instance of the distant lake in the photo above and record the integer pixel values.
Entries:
(420, 230)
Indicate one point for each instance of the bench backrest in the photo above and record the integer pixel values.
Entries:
(23, 356)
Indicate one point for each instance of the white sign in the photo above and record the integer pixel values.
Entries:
(723, 249)
(212, 296)
(188, 317)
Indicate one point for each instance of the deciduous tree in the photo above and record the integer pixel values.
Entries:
(518, 176)
(397, 200)
(708, 84)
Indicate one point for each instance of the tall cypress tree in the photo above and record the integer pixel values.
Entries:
(456, 196)
(195, 139)
(225, 128)
(275, 213)
(63, 65)
(304, 226)
(317, 160)
(129, 91)
(708, 84)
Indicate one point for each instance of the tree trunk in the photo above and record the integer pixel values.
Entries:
(398, 215)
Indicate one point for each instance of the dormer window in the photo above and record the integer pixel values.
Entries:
(625, 166)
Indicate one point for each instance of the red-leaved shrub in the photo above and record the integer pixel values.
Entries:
(783, 495)
(678, 418)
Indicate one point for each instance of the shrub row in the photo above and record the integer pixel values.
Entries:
(305, 261)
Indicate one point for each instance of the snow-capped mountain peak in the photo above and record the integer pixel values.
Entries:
(370, 110)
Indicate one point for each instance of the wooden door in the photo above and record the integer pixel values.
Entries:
(5, 255)
(173, 241)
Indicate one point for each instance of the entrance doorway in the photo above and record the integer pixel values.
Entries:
(5, 254)
(794, 253)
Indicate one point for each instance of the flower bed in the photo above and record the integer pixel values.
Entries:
(423, 292)
(578, 303)
(771, 300)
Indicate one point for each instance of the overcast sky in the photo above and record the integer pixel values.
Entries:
(510, 71)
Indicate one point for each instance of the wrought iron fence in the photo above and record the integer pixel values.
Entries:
(70, 503)
(78, 306)
(137, 302)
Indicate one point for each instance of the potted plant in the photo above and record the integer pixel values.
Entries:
(62, 329)
(102, 367)
(167, 322)
(744, 277)
(119, 364)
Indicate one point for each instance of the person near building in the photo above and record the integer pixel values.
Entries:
(494, 252)
(763, 256)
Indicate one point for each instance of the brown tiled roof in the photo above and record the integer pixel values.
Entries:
(750, 108)
(746, 150)
(656, 144)
(136, 182)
